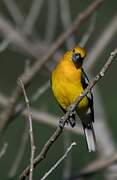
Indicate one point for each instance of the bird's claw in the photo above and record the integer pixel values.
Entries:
(61, 123)
(72, 113)
(72, 119)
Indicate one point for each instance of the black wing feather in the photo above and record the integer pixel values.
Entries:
(85, 82)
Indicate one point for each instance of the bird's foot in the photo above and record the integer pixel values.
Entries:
(61, 124)
(72, 119)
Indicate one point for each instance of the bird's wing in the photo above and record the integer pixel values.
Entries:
(85, 82)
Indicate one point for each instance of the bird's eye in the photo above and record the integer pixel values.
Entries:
(76, 57)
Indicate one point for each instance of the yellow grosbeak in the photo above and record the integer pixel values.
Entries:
(68, 81)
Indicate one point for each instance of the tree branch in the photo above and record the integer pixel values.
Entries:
(3, 150)
(59, 161)
(95, 167)
(30, 130)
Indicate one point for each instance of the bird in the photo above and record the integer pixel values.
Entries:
(68, 81)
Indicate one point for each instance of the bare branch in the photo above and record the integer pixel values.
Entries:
(64, 119)
(21, 43)
(16, 37)
(31, 130)
(4, 45)
(51, 21)
(40, 91)
(66, 21)
(3, 150)
(59, 161)
(102, 41)
(106, 145)
(67, 165)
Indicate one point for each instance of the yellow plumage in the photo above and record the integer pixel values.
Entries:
(68, 81)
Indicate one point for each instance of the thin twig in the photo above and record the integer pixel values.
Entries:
(59, 161)
(3, 150)
(65, 118)
(31, 130)
(4, 45)
(41, 90)
(67, 165)
(7, 113)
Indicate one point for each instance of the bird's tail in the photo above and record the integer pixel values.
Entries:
(90, 137)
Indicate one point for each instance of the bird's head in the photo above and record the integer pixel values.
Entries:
(76, 55)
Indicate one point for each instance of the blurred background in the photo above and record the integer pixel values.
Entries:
(28, 29)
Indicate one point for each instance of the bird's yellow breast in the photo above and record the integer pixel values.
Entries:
(66, 84)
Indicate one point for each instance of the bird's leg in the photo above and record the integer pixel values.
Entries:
(61, 123)
(72, 119)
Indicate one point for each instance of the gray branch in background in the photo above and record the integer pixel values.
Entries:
(4, 45)
(3, 150)
(51, 22)
(66, 21)
(43, 117)
(16, 37)
(102, 41)
(89, 30)
(95, 167)
(106, 144)
(14, 11)
(32, 16)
